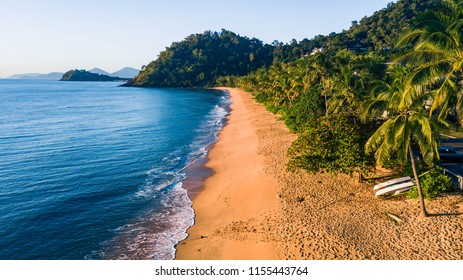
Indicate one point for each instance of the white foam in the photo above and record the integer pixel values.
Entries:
(208, 132)
(150, 190)
(155, 234)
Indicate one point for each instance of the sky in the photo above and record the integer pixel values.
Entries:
(56, 36)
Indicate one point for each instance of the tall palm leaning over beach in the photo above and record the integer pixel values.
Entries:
(437, 55)
(407, 122)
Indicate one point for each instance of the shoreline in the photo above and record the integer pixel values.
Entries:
(251, 207)
(216, 205)
(196, 173)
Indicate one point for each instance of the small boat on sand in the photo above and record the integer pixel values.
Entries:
(391, 182)
(394, 188)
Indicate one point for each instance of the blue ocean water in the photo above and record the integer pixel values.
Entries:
(91, 170)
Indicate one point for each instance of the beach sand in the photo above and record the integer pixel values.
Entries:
(252, 208)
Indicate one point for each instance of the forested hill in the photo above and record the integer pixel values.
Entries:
(383, 29)
(201, 58)
(378, 32)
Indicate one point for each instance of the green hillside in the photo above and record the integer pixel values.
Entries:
(379, 32)
(200, 59)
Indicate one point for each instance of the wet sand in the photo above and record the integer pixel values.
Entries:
(238, 190)
(252, 208)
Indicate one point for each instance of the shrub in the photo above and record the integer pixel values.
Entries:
(308, 107)
(407, 170)
(272, 108)
(260, 96)
(333, 144)
(432, 184)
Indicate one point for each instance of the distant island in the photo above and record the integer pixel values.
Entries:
(83, 75)
(125, 73)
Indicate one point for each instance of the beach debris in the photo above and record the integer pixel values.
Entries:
(394, 218)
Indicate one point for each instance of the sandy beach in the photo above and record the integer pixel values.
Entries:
(252, 208)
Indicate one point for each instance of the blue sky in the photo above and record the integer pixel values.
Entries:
(51, 35)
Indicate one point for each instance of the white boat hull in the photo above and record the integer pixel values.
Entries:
(391, 182)
(394, 188)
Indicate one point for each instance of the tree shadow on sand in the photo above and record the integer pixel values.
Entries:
(445, 214)
(458, 204)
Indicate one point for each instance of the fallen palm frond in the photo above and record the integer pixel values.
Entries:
(394, 218)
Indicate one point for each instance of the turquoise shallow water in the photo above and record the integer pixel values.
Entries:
(95, 171)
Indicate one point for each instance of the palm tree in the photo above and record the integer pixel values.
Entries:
(407, 122)
(344, 78)
(286, 83)
(345, 90)
(278, 84)
(303, 75)
(281, 88)
(323, 73)
(437, 54)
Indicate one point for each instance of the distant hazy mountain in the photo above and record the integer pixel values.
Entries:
(126, 72)
(99, 71)
(23, 76)
(38, 76)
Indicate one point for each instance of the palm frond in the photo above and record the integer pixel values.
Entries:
(423, 124)
(375, 141)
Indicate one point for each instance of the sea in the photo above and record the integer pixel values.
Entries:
(91, 170)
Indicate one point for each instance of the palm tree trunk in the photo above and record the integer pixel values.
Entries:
(326, 105)
(324, 93)
(457, 117)
(417, 180)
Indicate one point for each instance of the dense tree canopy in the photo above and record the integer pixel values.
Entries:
(379, 32)
(200, 59)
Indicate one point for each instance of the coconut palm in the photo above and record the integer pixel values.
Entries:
(345, 90)
(303, 75)
(279, 84)
(281, 89)
(408, 121)
(286, 83)
(437, 54)
(323, 73)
